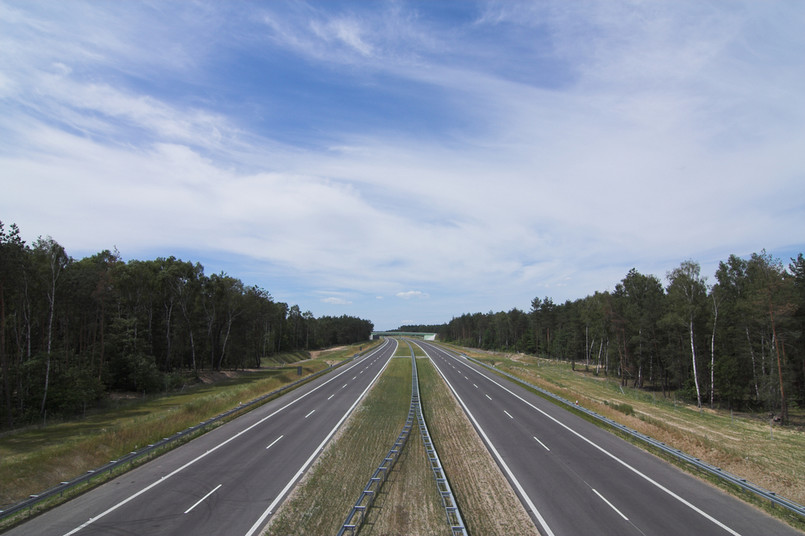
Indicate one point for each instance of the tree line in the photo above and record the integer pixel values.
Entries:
(736, 343)
(71, 331)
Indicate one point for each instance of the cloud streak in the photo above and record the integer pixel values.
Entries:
(344, 153)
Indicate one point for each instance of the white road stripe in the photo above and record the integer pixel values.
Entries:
(545, 528)
(309, 414)
(272, 443)
(329, 397)
(543, 444)
(203, 498)
(509, 414)
(610, 504)
(259, 523)
(615, 458)
(194, 460)
(487, 396)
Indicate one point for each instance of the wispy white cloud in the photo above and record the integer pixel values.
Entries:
(408, 294)
(332, 300)
(613, 135)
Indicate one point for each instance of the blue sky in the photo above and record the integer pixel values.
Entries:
(408, 162)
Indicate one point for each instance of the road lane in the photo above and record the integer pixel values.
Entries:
(226, 481)
(577, 478)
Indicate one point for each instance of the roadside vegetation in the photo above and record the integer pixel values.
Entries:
(408, 503)
(320, 503)
(37, 458)
(755, 448)
(75, 333)
(487, 502)
(737, 342)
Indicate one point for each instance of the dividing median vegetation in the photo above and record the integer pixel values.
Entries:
(38, 458)
(408, 503)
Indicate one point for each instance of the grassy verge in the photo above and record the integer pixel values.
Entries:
(38, 458)
(322, 500)
(744, 445)
(403, 350)
(409, 502)
(487, 502)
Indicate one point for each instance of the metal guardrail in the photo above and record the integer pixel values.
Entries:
(454, 519)
(742, 483)
(133, 456)
(358, 513)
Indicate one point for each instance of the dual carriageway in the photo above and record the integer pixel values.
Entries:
(571, 476)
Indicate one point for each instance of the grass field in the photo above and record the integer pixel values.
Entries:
(744, 445)
(37, 458)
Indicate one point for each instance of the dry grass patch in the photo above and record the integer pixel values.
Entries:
(38, 458)
(487, 502)
(741, 445)
(322, 500)
(409, 503)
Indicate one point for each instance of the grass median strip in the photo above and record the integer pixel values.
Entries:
(488, 504)
(324, 497)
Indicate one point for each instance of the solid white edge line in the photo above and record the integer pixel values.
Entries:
(191, 462)
(623, 463)
(526, 498)
(261, 520)
(203, 498)
(610, 504)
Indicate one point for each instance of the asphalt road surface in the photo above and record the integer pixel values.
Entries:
(228, 481)
(575, 478)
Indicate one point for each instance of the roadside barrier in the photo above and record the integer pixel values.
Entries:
(454, 519)
(775, 500)
(357, 515)
(123, 464)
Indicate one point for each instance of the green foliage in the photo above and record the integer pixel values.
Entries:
(626, 409)
(73, 330)
(745, 333)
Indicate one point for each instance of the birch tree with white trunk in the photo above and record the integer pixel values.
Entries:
(687, 291)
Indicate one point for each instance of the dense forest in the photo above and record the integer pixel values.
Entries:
(737, 342)
(72, 330)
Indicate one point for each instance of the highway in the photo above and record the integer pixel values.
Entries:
(576, 478)
(230, 480)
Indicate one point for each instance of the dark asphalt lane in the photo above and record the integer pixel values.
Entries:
(576, 478)
(228, 481)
